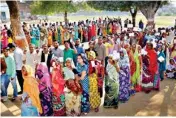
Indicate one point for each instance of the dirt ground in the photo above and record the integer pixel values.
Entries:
(162, 103)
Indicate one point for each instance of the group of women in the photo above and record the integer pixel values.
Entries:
(64, 91)
(74, 90)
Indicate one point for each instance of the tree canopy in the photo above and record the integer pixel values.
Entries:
(148, 8)
(116, 6)
(52, 7)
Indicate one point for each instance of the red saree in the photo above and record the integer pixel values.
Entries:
(58, 92)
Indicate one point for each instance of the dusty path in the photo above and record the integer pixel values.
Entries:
(162, 103)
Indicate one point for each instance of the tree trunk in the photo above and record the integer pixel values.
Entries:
(149, 13)
(65, 17)
(133, 14)
(17, 30)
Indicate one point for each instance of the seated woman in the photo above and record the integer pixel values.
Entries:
(27, 109)
(73, 91)
(171, 69)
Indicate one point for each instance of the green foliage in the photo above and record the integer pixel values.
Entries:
(120, 5)
(53, 7)
(112, 5)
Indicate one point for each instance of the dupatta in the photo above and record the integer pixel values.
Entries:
(31, 87)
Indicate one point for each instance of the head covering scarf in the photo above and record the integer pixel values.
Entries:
(92, 53)
(136, 76)
(124, 61)
(57, 79)
(153, 67)
(43, 74)
(72, 63)
(31, 87)
(74, 86)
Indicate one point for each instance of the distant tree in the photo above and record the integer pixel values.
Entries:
(17, 31)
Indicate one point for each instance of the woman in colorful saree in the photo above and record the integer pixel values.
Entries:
(94, 97)
(147, 80)
(153, 65)
(4, 39)
(31, 87)
(73, 91)
(132, 65)
(135, 78)
(124, 76)
(58, 83)
(27, 109)
(82, 76)
(111, 84)
(50, 40)
(45, 89)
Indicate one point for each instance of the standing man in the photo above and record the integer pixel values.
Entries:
(141, 24)
(31, 57)
(18, 56)
(100, 50)
(10, 76)
(46, 56)
(79, 49)
(56, 50)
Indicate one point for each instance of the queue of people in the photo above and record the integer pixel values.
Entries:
(118, 63)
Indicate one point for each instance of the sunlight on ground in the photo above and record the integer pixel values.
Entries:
(162, 103)
(152, 109)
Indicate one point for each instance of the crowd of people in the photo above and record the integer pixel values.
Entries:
(119, 62)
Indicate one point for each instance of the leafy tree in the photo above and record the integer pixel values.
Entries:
(17, 31)
(53, 7)
(115, 6)
(148, 8)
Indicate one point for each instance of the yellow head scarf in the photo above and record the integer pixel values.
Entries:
(92, 53)
(30, 86)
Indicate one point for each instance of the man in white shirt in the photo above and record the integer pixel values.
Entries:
(18, 56)
(31, 57)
